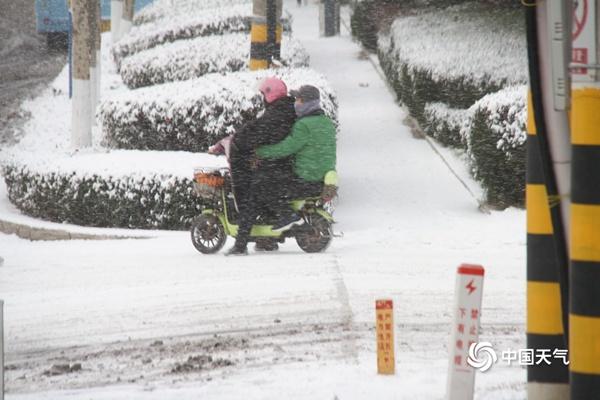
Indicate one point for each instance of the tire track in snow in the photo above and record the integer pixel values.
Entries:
(347, 314)
(170, 360)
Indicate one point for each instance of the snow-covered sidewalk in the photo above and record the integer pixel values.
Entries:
(293, 325)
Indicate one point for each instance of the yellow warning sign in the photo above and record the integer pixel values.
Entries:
(386, 363)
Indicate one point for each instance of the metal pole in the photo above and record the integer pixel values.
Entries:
(265, 33)
(546, 251)
(329, 10)
(584, 352)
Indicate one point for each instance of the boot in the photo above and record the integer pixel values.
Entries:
(266, 245)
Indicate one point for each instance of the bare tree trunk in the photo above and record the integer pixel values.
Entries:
(94, 27)
(98, 53)
(127, 20)
(81, 133)
(116, 13)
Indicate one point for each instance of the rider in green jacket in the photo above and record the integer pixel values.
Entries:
(312, 142)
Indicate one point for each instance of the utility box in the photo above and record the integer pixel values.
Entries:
(329, 17)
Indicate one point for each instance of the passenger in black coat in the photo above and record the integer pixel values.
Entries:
(270, 128)
(258, 186)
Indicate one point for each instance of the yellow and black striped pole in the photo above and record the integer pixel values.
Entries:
(585, 245)
(547, 261)
(544, 313)
(547, 258)
(265, 33)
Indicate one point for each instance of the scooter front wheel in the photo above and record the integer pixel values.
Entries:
(208, 234)
(315, 235)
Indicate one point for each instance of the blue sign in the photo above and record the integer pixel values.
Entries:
(53, 15)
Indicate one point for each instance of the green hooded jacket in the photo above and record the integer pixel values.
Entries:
(313, 144)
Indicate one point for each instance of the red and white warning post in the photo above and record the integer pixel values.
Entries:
(465, 331)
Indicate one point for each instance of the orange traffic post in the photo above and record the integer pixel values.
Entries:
(386, 360)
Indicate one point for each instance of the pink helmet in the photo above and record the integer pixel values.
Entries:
(273, 89)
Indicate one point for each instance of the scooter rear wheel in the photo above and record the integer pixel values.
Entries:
(315, 235)
(208, 234)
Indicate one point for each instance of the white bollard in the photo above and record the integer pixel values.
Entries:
(465, 331)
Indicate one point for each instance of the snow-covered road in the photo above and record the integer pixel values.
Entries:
(26, 64)
(131, 311)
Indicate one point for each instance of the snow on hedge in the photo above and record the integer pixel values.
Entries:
(129, 189)
(493, 132)
(126, 189)
(445, 123)
(507, 115)
(185, 26)
(451, 68)
(192, 115)
(187, 59)
(496, 144)
(470, 40)
(162, 9)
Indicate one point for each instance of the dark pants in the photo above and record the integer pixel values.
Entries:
(298, 188)
(249, 212)
(263, 194)
(264, 199)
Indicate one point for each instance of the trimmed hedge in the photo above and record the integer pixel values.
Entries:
(493, 133)
(212, 22)
(164, 9)
(454, 56)
(188, 59)
(147, 202)
(449, 68)
(416, 86)
(445, 124)
(194, 114)
(496, 136)
(369, 17)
